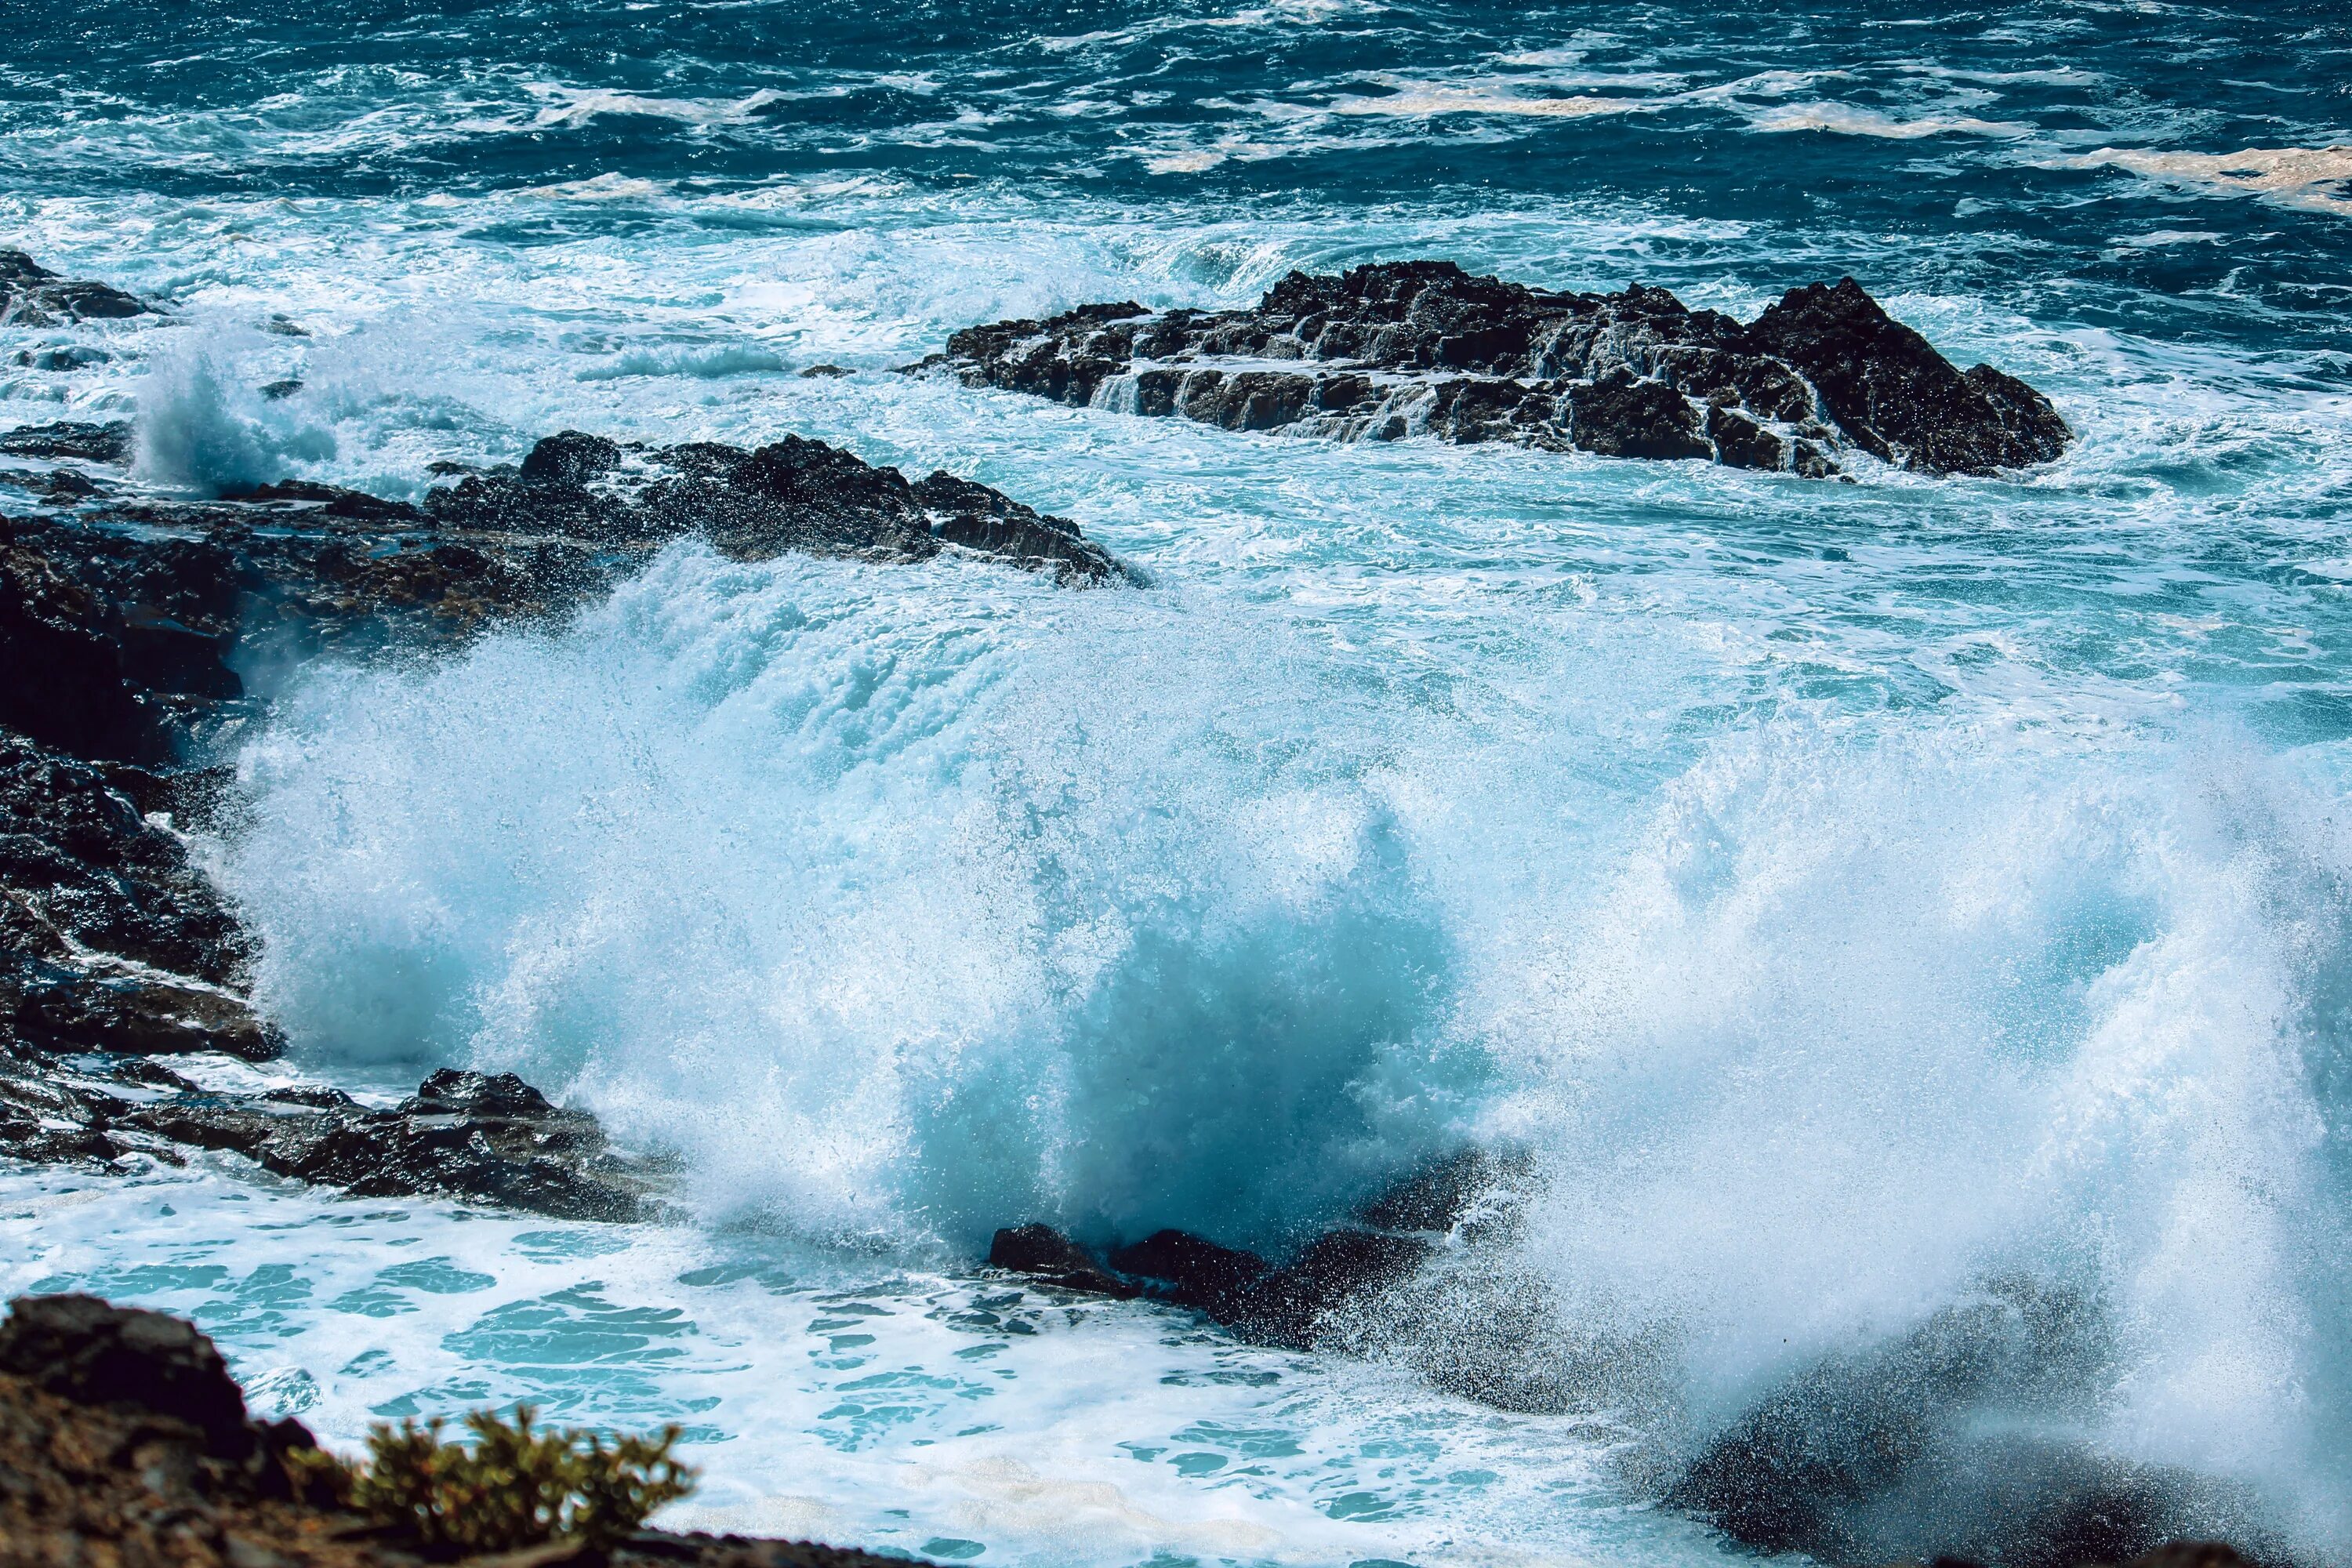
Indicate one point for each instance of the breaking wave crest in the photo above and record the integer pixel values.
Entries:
(904, 910)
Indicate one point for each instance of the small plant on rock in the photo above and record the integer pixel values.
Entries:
(515, 1485)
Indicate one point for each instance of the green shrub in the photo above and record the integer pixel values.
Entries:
(515, 1485)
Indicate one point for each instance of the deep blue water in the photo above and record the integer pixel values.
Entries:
(1849, 894)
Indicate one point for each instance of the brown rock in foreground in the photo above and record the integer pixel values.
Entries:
(124, 1443)
(125, 624)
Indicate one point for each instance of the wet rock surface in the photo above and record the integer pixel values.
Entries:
(462, 1136)
(125, 1443)
(793, 495)
(92, 443)
(1407, 348)
(1292, 1305)
(33, 295)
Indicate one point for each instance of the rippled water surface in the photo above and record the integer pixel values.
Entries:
(1850, 894)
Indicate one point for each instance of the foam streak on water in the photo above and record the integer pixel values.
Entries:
(1852, 897)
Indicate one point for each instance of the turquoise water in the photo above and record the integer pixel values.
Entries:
(1849, 894)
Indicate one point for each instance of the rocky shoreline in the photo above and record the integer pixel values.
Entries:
(129, 626)
(124, 623)
(1422, 347)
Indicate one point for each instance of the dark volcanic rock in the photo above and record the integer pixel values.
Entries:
(1290, 1305)
(117, 628)
(117, 624)
(1218, 1280)
(791, 495)
(554, 1163)
(109, 443)
(55, 487)
(493, 1140)
(570, 457)
(1896, 397)
(1337, 1268)
(61, 649)
(1388, 351)
(111, 939)
(33, 295)
(1047, 1255)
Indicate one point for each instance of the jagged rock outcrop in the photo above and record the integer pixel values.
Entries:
(1048, 1256)
(110, 938)
(33, 295)
(70, 438)
(1406, 348)
(793, 495)
(119, 620)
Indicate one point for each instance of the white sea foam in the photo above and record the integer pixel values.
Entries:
(2154, 1137)
(822, 1397)
(1428, 100)
(562, 104)
(1853, 120)
(2318, 179)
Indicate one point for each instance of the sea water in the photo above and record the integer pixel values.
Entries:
(1845, 895)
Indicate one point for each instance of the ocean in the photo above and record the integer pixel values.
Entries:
(1849, 899)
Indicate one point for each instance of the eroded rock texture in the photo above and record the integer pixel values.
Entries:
(489, 1140)
(1409, 348)
(33, 295)
(793, 495)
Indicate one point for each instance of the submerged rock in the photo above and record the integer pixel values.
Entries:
(1047, 1255)
(1952, 1442)
(1294, 1304)
(33, 295)
(1187, 1271)
(1402, 348)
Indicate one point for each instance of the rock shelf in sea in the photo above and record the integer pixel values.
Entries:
(1421, 347)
